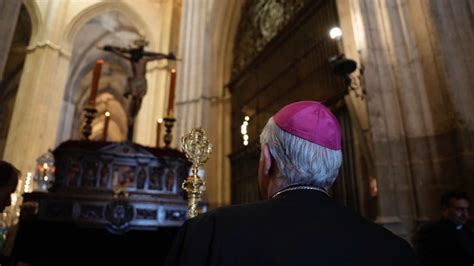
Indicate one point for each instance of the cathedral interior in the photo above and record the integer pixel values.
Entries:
(397, 74)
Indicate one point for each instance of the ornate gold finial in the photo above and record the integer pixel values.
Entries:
(198, 150)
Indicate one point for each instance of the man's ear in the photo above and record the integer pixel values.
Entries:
(267, 159)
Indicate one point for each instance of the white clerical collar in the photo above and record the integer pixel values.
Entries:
(302, 187)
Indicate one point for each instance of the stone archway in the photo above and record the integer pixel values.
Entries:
(111, 28)
(96, 10)
(138, 18)
(35, 17)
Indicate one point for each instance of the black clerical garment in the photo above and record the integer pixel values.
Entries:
(300, 227)
(441, 243)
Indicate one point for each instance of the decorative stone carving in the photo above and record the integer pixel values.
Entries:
(269, 19)
(146, 214)
(260, 22)
(119, 214)
(91, 212)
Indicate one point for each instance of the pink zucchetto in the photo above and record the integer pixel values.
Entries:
(311, 121)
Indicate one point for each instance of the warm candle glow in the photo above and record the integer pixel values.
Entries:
(95, 81)
(158, 131)
(106, 126)
(171, 92)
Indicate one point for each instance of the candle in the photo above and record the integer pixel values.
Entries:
(95, 81)
(172, 92)
(106, 126)
(158, 132)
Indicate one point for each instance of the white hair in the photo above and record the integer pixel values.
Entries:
(301, 162)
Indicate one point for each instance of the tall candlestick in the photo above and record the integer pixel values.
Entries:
(172, 92)
(89, 114)
(95, 81)
(169, 122)
(106, 126)
(158, 131)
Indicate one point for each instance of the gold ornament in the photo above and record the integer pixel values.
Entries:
(198, 150)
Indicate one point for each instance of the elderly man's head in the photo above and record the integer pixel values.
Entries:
(8, 181)
(301, 145)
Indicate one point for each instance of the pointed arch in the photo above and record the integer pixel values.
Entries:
(35, 17)
(78, 68)
(98, 9)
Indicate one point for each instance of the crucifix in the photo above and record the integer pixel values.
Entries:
(137, 84)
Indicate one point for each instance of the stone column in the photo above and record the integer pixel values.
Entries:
(453, 31)
(9, 11)
(191, 101)
(386, 119)
(191, 97)
(416, 72)
(392, 80)
(200, 97)
(35, 119)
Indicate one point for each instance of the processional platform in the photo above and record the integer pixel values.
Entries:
(117, 186)
(108, 193)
